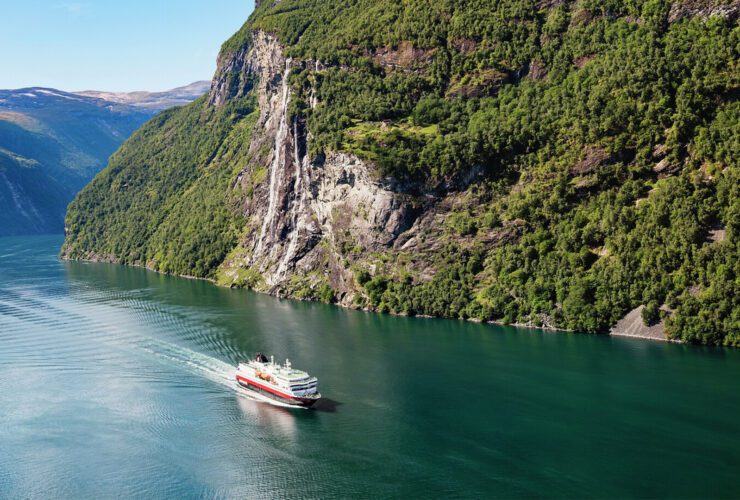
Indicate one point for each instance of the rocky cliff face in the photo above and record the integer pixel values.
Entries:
(261, 61)
(305, 211)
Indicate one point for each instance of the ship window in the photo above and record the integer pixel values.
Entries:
(302, 387)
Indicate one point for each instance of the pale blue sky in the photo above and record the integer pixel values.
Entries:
(114, 45)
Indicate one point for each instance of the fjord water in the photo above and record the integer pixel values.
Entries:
(116, 381)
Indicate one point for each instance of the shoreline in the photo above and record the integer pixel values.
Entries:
(525, 326)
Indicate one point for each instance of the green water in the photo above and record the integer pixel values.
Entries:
(117, 382)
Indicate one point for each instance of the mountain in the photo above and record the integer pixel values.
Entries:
(52, 143)
(551, 163)
(154, 100)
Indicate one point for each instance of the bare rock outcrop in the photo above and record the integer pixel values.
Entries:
(704, 9)
(304, 212)
(592, 157)
(259, 61)
(633, 326)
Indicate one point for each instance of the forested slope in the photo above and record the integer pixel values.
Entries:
(559, 163)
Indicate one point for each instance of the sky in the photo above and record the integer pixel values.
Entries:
(114, 45)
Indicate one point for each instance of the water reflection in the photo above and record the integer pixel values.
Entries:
(280, 420)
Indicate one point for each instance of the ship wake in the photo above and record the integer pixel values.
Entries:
(206, 366)
(113, 332)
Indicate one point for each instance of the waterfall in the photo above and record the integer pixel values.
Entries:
(268, 226)
(269, 250)
(296, 209)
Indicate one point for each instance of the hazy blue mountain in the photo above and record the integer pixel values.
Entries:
(52, 143)
(154, 100)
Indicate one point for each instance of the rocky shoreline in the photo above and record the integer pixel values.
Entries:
(626, 327)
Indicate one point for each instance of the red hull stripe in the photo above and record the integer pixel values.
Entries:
(270, 389)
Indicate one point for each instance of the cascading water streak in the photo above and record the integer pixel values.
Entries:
(297, 206)
(267, 232)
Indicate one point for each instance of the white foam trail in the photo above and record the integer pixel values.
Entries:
(210, 367)
(126, 338)
(213, 369)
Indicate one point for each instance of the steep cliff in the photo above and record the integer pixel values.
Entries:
(551, 163)
(303, 201)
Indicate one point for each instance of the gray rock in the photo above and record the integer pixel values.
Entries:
(306, 208)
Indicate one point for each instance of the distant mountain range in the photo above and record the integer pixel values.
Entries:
(154, 100)
(52, 143)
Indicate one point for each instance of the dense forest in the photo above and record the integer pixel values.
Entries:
(174, 212)
(605, 138)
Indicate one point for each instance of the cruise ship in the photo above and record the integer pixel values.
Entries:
(280, 382)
